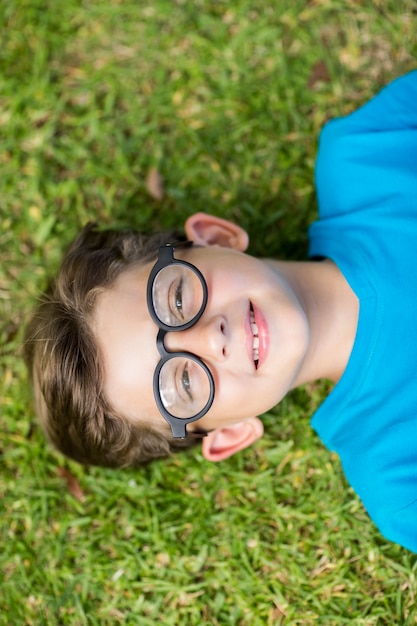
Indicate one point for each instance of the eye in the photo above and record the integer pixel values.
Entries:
(178, 299)
(185, 381)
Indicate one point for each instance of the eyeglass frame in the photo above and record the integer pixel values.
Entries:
(178, 424)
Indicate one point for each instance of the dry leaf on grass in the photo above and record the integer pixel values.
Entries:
(72, 484)
(154, 184)
(319, 74)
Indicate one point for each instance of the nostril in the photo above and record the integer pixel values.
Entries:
(222, 327)
(224, 351)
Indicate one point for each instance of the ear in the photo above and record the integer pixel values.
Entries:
(222, 443)
(209, 230)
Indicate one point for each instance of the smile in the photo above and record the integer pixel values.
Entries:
(255, 333)
(257, 336)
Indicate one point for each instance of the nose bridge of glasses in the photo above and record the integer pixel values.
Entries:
(182, 340)
(204, 339)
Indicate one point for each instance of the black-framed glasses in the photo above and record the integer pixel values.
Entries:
(183, 385)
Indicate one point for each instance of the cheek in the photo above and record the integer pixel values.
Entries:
(231, 280)
(239, 397)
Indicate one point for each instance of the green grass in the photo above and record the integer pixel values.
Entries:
(224, 100)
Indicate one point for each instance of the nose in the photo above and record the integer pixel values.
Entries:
(206, 339)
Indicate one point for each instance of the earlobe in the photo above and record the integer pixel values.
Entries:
(222, 443)
(209, 230)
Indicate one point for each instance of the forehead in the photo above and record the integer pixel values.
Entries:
(126, 336)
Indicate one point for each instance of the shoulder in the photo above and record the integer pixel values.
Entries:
(401, 526)
(354, 151)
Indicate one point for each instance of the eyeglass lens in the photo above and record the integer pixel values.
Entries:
(184, 387)
(177, 294)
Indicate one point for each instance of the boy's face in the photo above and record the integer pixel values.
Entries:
(222, 338)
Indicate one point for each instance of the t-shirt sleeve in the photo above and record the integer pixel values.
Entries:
(369, 158)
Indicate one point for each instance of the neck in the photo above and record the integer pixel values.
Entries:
(332, 311)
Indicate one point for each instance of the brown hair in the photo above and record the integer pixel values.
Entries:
(64, 362)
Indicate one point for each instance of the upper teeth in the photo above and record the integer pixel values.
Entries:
(255, 337)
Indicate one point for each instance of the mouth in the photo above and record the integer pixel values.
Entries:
(257, 336)
(255, 333)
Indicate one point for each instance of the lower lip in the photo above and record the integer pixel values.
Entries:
(263, 334)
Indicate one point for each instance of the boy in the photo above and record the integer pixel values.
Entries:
(143, 347)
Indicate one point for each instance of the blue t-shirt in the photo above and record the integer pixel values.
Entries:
(366, 177)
